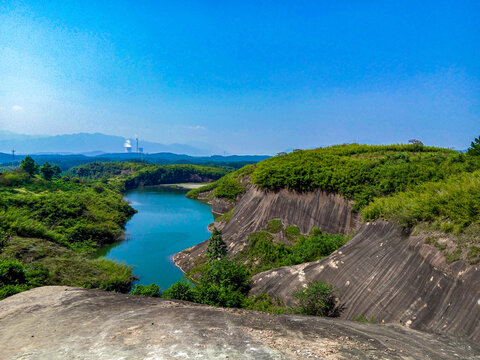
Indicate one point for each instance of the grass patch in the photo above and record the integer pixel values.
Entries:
(446, 204)
(226, 217)
(473, 255)
(452, 256)
(363, 319)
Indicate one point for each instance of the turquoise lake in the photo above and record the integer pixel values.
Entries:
(166, 223)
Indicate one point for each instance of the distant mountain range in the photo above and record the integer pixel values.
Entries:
(91, 145)
(77, 149)
(66, 161)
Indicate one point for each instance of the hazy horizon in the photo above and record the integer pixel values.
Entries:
(248, 77)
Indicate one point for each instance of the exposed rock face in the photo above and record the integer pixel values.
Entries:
(393, 276)
(71, 323)
(330, 212)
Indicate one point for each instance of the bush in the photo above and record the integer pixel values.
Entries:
(274, 226)
(263, 302)
(36, 274)
(229, 188)
(180, 291)
(224, 283)
(10, 290)
(292, 232)
(317, 299)
(215, 295)
(12, 272)
(227, 274)
(152, 290)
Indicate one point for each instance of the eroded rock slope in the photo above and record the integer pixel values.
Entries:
(383, 272)
(71, 323)
(393, 276)
(330, 212)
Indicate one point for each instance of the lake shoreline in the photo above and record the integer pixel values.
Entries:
(186, 186)
(166, 222)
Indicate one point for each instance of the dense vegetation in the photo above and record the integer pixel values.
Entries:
(228, 187)
(358, 172)
(262, 253)
(168, 174)
(226, 283)
(451, 206)
(104, 170)
(66, 162)
(80, 216)
(127, 175)
(50, 224)
(361, 172)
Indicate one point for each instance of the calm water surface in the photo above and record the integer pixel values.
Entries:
(166, 223)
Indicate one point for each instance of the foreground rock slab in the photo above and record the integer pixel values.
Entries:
(70, 323)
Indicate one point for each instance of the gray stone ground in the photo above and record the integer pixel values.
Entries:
(69, 323)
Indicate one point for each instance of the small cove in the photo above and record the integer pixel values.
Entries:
(166, 223)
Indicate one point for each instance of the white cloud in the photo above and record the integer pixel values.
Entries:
(17, 108)
(195, 127)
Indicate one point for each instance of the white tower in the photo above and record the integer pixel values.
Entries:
(127, 146)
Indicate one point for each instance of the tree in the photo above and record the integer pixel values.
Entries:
(217, 249)
(28, 165)
(56, 171)
(415, 142)
(474, 148)
(47, 171)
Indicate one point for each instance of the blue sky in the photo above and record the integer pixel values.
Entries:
(249, 76)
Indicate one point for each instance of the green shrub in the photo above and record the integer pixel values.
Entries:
(227, 274)
(474, 148)
(292, 232)
(223, 283)
(36, 274)
(225, 217)
(228, 188)
(9, 290)
(215, 295)
(274, 226)
(152, 290)
(180, 291)
(263, 302)
(12, 272)
(317, 299)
